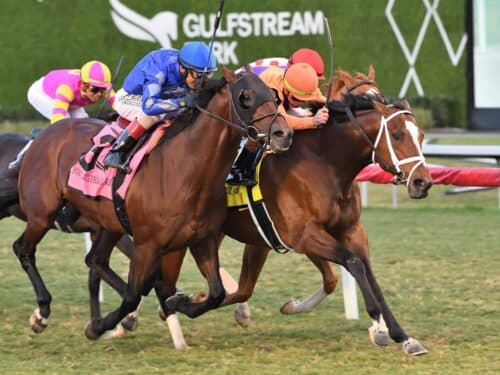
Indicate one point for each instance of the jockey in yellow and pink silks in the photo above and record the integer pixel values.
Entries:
(63, 93)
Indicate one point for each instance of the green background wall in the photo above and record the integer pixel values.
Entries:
(39, 35)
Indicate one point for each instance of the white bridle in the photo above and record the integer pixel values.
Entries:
(418, 159)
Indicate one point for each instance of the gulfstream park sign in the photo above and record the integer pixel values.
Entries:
(164, 27)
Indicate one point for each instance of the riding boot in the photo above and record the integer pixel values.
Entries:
(243, 170)
(119, 153)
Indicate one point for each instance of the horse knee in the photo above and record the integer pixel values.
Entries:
(93, 262)
(330, 285)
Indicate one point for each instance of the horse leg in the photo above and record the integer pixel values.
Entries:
(25, 248)
(330, 279)
(206, 256)
(98, 262)
(386, 325)
(318, 242)
(253, 260)
(171, 263)
(126, 246)
(141, 268)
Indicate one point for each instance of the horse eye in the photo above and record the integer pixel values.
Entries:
(276, 96)
(245, 99)
(397, 135)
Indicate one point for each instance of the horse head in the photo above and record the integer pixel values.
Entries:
(345, 83)
(255, 110)
(397, 147)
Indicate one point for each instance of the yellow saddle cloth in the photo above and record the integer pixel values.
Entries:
(237, 195)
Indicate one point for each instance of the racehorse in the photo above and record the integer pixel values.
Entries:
(342, 84)
(314, 202)
(175, 199)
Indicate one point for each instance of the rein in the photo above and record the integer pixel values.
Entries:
(395, 169)
(360, 83)
(245, 122)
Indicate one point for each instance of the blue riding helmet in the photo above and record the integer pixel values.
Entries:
(194, 56)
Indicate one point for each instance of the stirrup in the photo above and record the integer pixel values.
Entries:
(114, 160)
(240, 179)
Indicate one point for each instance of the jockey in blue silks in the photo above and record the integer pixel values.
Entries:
(161, 85)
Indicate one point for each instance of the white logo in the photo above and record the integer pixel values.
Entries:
(163, 27)
(412, 57)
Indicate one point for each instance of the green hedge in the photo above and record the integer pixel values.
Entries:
(37, 36)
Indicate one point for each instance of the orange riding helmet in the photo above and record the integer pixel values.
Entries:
(302, 81)
(311, 57)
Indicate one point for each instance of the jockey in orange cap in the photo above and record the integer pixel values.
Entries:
(294, 86)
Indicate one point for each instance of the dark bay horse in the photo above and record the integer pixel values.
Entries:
(314, 203)
(175, 200)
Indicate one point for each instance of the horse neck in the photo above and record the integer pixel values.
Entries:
(344, 147)
(205, 145)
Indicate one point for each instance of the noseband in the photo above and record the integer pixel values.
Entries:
(245, 123)
(383, 130)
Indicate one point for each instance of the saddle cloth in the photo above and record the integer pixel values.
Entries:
(250, 197)
(91, 178)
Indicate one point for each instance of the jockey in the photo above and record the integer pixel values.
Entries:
(63, 93)
(161, 85)
(295, 86)
(304, 55)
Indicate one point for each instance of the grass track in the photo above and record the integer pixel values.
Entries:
(438, 268)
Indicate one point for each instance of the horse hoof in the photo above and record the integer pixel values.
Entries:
(378, 337)
(130, 322)
(118, 332)
(172, 303)
(242, 314)
(413, 347)
(90, 333)
(37, 322)
(289, 307)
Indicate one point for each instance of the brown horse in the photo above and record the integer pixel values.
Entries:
(175, 200)
(342, 84)
(313, 200)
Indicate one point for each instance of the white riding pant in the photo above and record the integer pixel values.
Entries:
(129, 106)
(43, 103)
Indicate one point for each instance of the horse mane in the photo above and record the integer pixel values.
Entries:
(359, 102)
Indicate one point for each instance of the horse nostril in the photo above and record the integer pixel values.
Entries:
(422, 184)
(278, 134)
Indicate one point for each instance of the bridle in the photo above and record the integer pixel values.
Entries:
(349, 89)
(244, 122)
(383, 131)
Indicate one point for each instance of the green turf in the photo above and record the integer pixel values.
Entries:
(438, 268)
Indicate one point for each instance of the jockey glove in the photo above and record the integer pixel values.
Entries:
(189, 101)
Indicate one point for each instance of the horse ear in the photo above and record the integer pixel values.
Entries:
(248, 68)
(406, 105)
(228, 75)
(379, 107)
(371, 72)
